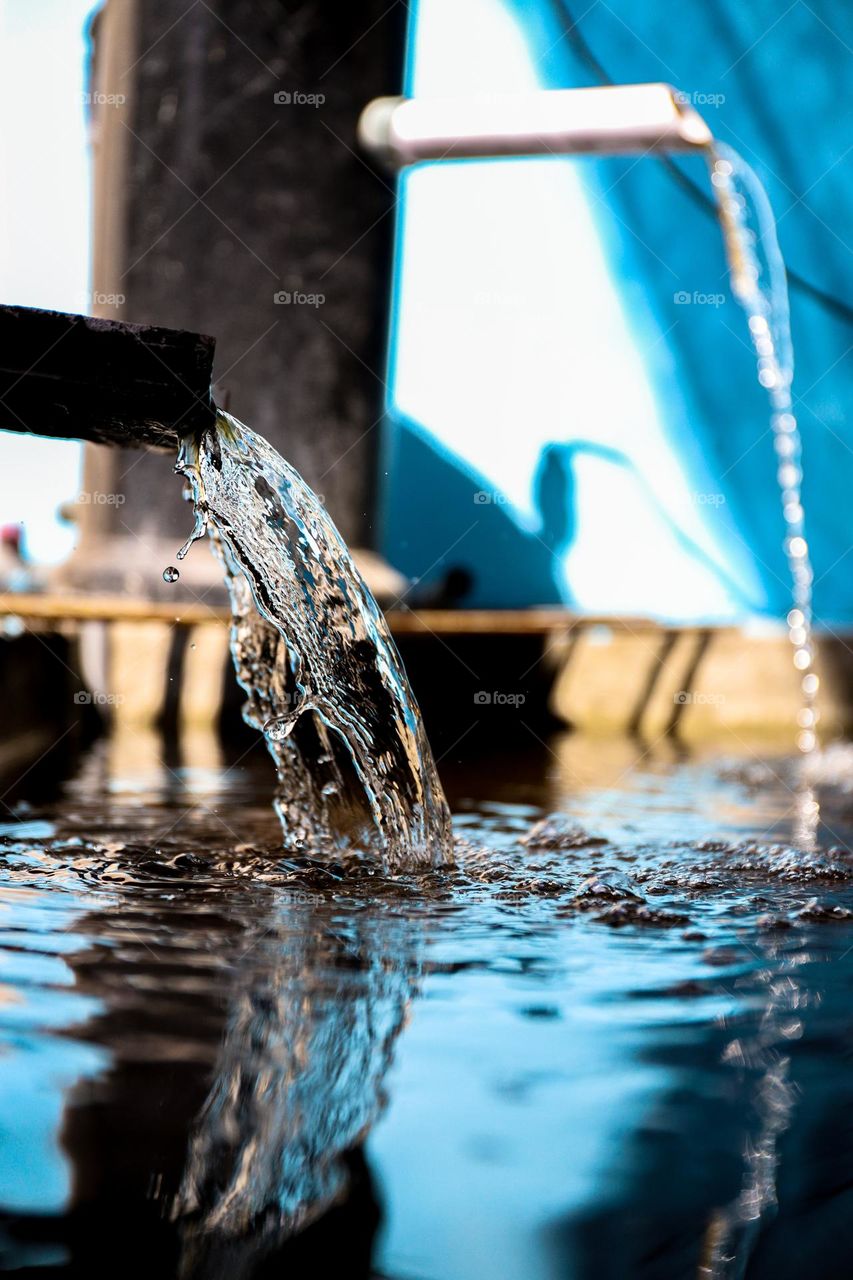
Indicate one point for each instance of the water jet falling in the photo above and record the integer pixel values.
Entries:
(310, 640)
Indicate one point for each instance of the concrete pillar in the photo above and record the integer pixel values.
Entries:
(227, 174)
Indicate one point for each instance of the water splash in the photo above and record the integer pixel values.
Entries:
(759, 282)
(313, 651)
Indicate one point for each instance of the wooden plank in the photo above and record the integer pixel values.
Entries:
(508, 622)
(104, 608)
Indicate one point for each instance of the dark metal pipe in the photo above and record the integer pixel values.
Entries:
(104, 381)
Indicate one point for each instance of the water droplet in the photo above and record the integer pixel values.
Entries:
(806, 717)
(802, 659)
(785, 422)
(811, 684)
(170, 574)
(798, 636)
(797, 547)
(330, 789)
(796, 618)
(279, 728)
(806, 740)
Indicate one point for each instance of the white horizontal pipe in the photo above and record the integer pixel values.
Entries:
(612, 120)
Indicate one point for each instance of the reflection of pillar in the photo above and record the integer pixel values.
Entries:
(211, 198)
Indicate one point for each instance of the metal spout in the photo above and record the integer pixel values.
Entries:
(629, 119)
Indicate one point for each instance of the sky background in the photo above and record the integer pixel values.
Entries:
(44, 230)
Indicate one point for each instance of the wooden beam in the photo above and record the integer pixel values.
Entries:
(507, 622)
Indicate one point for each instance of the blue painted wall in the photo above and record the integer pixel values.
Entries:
(562, 425)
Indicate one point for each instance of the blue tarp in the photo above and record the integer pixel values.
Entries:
(573, 409)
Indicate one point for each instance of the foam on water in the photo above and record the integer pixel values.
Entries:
(313, 652)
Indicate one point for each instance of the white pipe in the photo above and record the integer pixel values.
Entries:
(612, 120)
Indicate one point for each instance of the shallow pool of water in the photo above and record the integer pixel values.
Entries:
(614, 1041)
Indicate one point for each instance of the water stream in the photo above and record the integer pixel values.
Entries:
(313, 652)
(757, 272)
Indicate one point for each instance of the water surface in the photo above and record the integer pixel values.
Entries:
(614, 1040)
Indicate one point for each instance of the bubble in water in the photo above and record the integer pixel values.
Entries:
(170, 574)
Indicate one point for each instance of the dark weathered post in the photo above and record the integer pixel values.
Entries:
(230, 198)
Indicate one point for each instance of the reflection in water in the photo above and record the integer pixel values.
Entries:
(247, 1030)
(297, 1084)
(732, 1233)
(629, 1055)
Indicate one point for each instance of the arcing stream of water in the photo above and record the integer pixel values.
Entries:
(759, 282)
(309, 637)
(758, 278)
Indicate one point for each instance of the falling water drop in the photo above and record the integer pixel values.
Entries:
(278, 729)
(170, 574)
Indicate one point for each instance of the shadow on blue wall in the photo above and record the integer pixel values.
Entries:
(492, 557)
